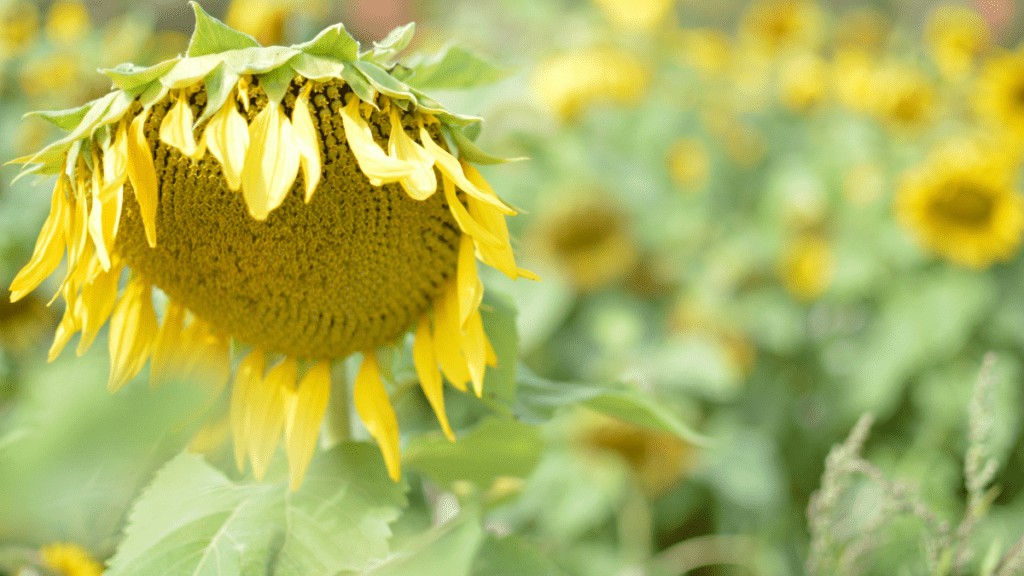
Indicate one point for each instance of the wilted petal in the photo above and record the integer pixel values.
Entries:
(142, 174)
(309, 404)
(267, 407)
(49, 249)
(227, 138)
(374, 408)
(133, 328)
(378, 167)
(425, 360)
(271, 162)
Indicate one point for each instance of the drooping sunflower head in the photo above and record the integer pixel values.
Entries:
(296, 205)
(962, 204)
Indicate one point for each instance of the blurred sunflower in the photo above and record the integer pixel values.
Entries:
(956, 36)
(265, 19)
(67, 22)
(961, 203)
(689, 164)
(999, 95)
(567, 83)
(803, 81)
(636, 15)
(775, 26)
(807, 267)
(853, 73)
(708, 50)
(297, 201)
(590, 241)
(902, 96)
(19, 27)
(69, 560)
(863, 28)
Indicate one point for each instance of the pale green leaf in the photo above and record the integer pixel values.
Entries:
(334, 43)
(455, 67)
(128, 76)
(473, 153)
(212, 36)
(384, 82)
(66, 120)
(538, 400)
(495, 448)
(259, 60)
(359, 84)
(445, 551)
(194, 518)
(276, 82)
(219, 85)
(317, 68)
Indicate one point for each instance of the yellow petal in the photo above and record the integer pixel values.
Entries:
(474, 346)
(466, 222)
(133, 328)
(471, 289)
(374, 409)
(452, 169)
(209, 355)
(307, 141)
(104, 218)
(267, 408)
(49, 249)
(168, 346)
(422, 183)
(378, 167)
(271, 162)
(307, 410)
(142, 174)
(498, 254)
(115, 159)
(448, 338)
(248, 378)
(97, 299)
(176, 128)
(425, 360)
(70, 323)
(227, 138)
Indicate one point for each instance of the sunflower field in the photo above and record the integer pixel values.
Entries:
(511, 288)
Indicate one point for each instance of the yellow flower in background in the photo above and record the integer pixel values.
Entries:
(743, 143)
(774, 26)
(657, 459)
(956, 36)
(304, 219)
(55, 75)
(19, 27)
(265, 20)
(68, 22)
(69, 560)
(863, 28)
(803, 81)
(689, 164)
(590, 241)
(962, 204)
(998, 94)
(853, 75)
(569, 82)
(636, 14)
(902, 96)
(807, 267)
(708, 50)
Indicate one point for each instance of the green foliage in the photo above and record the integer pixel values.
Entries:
(195, 518)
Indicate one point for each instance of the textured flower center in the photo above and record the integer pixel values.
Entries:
(964, 205)
(349, 271)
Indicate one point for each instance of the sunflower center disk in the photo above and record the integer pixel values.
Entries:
(349, 271)
(965, 205)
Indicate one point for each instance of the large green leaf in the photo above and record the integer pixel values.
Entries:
(513, 556)
(538, 399)
(448, 550)
(495, 448)
(196, 520)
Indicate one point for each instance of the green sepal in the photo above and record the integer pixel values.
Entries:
(454, 67)
(334, 43)
(64, 119)
(153, 94)
(258, 60)
(276, 82)
(212, 36)
(473, 153)
(392, 45)
(359, 84)
(219, 85)
(317, 68)
(128, 76)
(190, 71)
(385, 83)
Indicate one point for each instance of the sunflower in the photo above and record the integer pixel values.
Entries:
(961, 203)
(999, 96)
(645, 15)
(776, 26)
(955, 36)
(568, 82)
(296, 206)
(902, 96)
(807, 267)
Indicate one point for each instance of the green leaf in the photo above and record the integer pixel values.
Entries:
(393, 44)
(470, 151)
(259, 60)
(499, 316)
(276, 82)
(128, 76)
(385, 83)
(212, 36)
(219, 85)
(189, 71)
(537, 400)
(513, 556)
(359, 84)
(196, 519)
(495, 448)
(66, 120)
(445, 551)
(455, 67)
(334, 43)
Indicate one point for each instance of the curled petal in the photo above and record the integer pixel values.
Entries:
(422, 183)
(267, 407)
(248, 378)
(378, 167)
(49, 249)
(452, 169)
(176, 128)
(307, 141)
(425, 360)
(227, 138)
(271, 162)
(142, 174)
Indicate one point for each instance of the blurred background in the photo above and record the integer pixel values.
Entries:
(771, 216)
